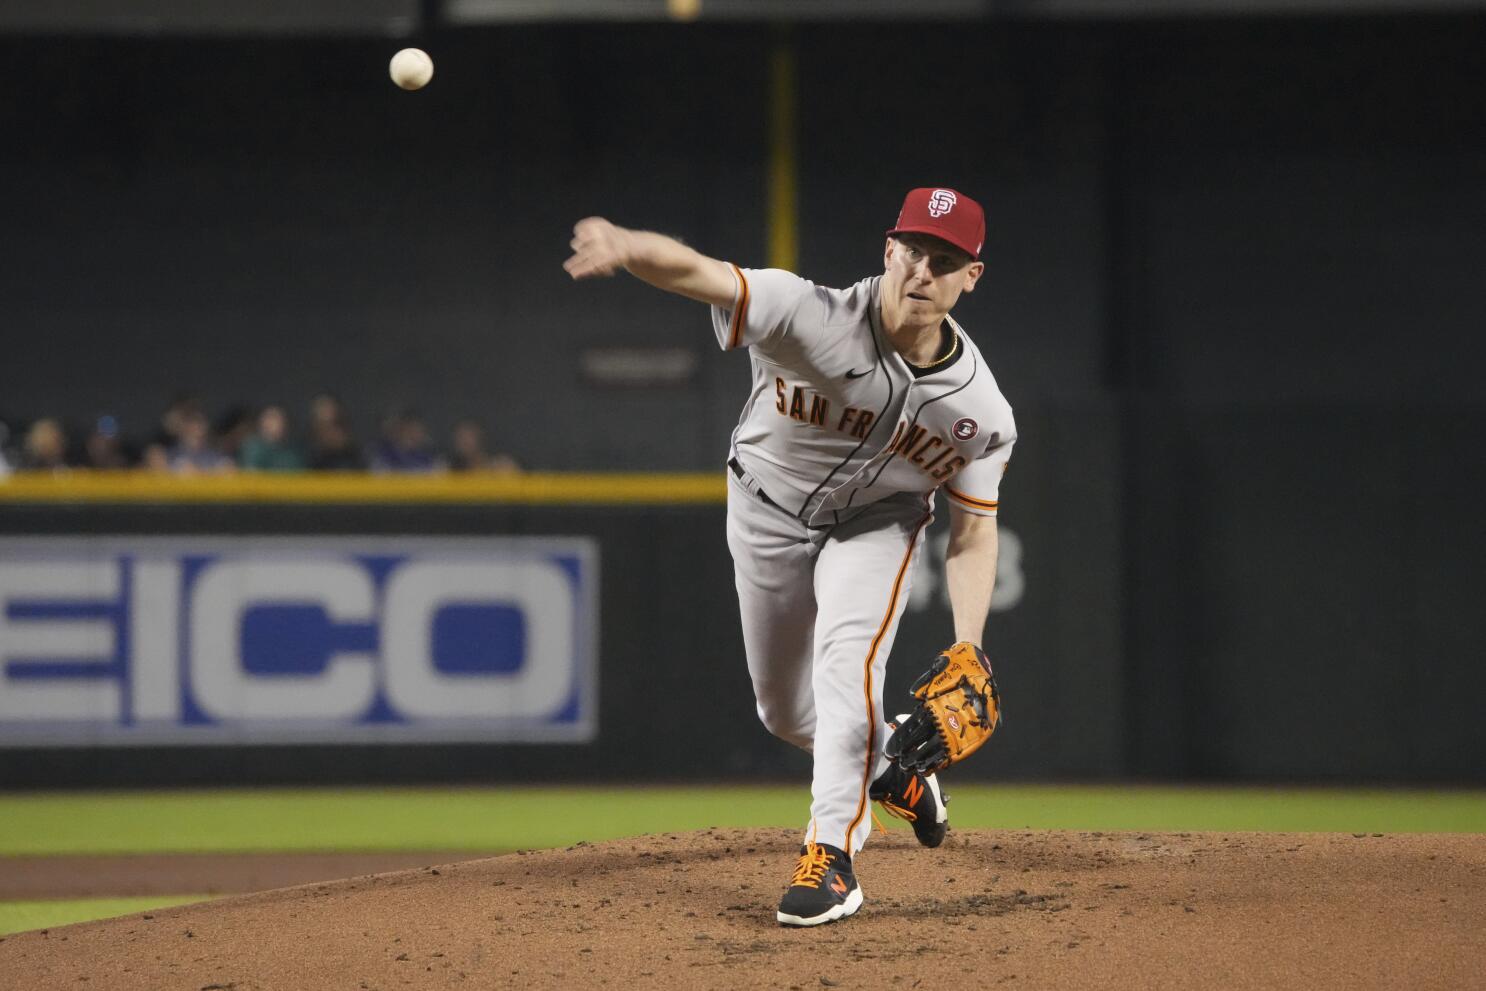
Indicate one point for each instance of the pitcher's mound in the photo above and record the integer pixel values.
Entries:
(696, 910)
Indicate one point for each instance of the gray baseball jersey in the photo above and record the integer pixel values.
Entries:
(837, 420)
(835, 459)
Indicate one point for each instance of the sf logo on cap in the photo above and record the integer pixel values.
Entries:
(941, 201)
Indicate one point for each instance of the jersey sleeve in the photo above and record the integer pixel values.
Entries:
(765, 301)
(977, 489)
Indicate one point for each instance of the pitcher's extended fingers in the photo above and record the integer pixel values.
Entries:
(583, 266)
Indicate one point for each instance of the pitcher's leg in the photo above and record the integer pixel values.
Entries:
(862, 584)
(773, 567)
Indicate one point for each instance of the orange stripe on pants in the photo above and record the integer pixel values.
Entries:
(887, 621)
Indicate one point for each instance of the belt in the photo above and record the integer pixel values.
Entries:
(763, 496)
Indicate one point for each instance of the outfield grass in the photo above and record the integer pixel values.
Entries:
(20, 916)
(523, 818)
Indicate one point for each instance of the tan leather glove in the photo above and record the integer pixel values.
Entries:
(959, 707)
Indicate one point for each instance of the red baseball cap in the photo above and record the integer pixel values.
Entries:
(946, 214)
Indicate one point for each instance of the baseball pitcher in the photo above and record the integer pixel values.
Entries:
(865, 402)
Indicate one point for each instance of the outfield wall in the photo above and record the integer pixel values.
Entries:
(1235, 670)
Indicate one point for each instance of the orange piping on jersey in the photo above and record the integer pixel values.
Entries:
(971, 500)
(887, 620)
(740, 312)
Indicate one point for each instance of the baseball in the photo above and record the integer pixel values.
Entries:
(411, 68)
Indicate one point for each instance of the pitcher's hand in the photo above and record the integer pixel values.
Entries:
(599, 248)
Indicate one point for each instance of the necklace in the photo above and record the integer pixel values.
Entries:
(953, 347)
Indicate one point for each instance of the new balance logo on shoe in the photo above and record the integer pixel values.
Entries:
(916, 798)
(822, 889)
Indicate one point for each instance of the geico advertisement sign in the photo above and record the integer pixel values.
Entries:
(277, 639)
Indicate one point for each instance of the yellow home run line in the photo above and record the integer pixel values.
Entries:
(527, 489)
(783, 174)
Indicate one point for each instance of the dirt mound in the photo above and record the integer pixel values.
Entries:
(696, 910)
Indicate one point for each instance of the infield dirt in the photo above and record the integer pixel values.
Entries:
(696, 910)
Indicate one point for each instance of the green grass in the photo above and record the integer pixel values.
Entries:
(19, 916)
(1306, 810)
(512, 818)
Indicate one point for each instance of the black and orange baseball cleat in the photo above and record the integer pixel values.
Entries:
(916, 798)
(823, 888)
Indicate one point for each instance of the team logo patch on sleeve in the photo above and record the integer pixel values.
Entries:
(941, 201)
(965, 428)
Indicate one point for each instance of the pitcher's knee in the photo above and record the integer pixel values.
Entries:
(789, 725)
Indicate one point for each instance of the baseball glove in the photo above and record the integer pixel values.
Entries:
(958, 709)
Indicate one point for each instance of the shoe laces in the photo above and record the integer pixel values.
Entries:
(907, 815)
(812, 867)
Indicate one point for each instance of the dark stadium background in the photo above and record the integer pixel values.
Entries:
(1234, 292)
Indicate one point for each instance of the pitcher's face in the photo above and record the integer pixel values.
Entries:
(925, 276)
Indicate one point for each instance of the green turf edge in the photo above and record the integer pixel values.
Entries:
(472, 819)
(22, 916)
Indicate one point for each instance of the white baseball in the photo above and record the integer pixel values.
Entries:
(411, 68)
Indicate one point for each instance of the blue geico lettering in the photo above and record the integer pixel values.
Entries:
(334, 639)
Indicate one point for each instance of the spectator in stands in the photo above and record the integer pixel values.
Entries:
(405, 446)
(233, 429)
(325, 408)
(332, 446)
(46, 447)
(467, 450)
(194, 453)
(270, 449)
(333, 449)
(104, 449)
(183, 406)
